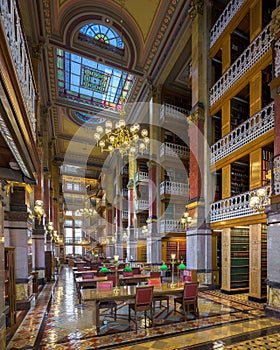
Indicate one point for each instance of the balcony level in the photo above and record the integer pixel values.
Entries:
(224, 20)
(242, 65)
(141, 205)
(234, 208)
(258, 125)
(141, 176)
(172, 150)
(170, 114)
(171, 226)
(174, 188)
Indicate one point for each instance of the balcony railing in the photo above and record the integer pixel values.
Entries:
(276, 175)
(226, 16)
(277, 59)
(168, 111)
(233, 207)
(251, 129)
(244, 62)
(14, 35)
(167, 226)
(125, 192)
(141, 204)
(173, 150)
(141, 176)
(174, 188)
(124, 214)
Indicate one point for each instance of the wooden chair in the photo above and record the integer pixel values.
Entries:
(143, 302)
(156, 282)
(110, 304)
(154, 274)
(189, 297)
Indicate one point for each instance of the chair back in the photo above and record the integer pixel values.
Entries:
(136, 270)
(101, 274)
(104, 285)
(88, 275)
(80, 267)
(144, 296)
(127, 273)
(156, 281)
(190, 291)
(113, 279)
(155, 274)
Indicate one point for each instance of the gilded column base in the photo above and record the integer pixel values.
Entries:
(273, 303)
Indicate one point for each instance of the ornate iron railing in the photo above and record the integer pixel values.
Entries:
(174, 150)
(169, 111)
(233, 207)
(241, 65)
(14, 35)
(251, 129)
(174, 188)
(167, 226)
(222, 22)
(141, 176)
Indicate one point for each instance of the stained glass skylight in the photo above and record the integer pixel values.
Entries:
(103, 34)
(88, 118)
(91, 83)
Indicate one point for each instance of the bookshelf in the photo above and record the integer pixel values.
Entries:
(258, 263)
(177, 247)
(267, 156)
(239, 112)
(239, 178)
(235, 260)
(239, 259)
(10, 286)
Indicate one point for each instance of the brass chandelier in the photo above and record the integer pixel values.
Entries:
(121, 137)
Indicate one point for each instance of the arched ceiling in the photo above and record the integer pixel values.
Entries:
(157, 38)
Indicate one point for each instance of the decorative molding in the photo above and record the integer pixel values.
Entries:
(275, 23)
(130, 184)
(196, 114)
(196, 8)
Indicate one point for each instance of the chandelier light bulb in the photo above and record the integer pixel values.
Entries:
(137, 127)
(108, 124)
(144, 132)
(135, 137)
(122, 123)
(146, 140)
(99, 129)
(96, 136)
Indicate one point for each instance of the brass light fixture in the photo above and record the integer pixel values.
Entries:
(121, 137)
(260, 201)
(186, 220)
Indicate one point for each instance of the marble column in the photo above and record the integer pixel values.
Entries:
(154, 255)
(273, 211)
(18, 227)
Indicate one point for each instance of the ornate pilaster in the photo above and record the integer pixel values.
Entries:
(18, 227)
(196, 7)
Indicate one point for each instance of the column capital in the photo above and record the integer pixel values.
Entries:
(196, 114)
(275, 23)
(130, 184)
(196, 8)
(151, 164)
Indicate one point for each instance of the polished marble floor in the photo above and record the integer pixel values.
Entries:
(57, 321)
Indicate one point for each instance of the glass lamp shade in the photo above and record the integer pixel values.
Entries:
(127, 269)
(181, 266)
(104, 269)
(163, 267)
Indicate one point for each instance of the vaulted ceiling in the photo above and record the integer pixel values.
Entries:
(157, 50)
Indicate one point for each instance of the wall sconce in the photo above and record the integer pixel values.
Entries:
(186, 220)
(144, 230)
(260, 201)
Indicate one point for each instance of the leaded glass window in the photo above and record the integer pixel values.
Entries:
(103, 34)
(92, 83)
